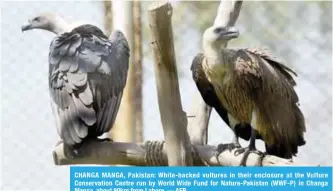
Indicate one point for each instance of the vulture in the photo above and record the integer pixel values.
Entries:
(87, 76)
(207, 92)
(252, 91)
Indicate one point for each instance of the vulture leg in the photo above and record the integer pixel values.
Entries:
(250, 149)
(233, 122)
(229, 146)
(252, 146)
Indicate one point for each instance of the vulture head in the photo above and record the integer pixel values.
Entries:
(47, 21)
(218, 36)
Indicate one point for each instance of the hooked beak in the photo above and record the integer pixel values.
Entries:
(231, 32)
(26, 26)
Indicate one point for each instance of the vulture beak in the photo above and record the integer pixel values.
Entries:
(229, 33)
(26, 26)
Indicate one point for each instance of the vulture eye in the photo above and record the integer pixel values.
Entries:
(219, 29)
(37, 19)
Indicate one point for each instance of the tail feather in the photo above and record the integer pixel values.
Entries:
(281, 150)
(285, 150)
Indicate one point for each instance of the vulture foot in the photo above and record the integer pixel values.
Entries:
(73, 153)
(229, 146)
(70, 152)
(247, 152)
(223, 147)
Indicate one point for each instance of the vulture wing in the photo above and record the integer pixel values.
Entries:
(206, 89)
(87, 75)
(270, 85)
(278, 64)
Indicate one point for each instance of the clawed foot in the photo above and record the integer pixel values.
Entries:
(223, 147)
(70, 152)
(247, 152)
(73, 153)
(229, 146)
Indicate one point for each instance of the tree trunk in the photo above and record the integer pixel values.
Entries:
(107, 17)
(173, 117)
(124, 127)
(137, 58)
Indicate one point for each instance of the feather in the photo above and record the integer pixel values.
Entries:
(97, 47)
(74, 47)
(66, 136)
(77, 79)
(54, 59)
(89, 60)
(87, 75)
(104, 68)
(86, 96)
(80, 129)
(70, 125)
(69, 88)
(63, 49)
(75, 64)
(57, 83)
(86, 113)
(65, 64)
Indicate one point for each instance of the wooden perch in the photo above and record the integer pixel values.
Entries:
(155, 154)
(198, 125)
(173, 117)
(124, 127)
(227, 14)
(137, 62)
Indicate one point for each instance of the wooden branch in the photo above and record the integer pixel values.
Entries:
(107, 17)
(173, 117)
(124, 127)
(227, 15)
(117, 153)
(137, 59)
(198, 125)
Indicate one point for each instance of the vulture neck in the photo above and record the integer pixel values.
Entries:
(60, 26)
(213, 53)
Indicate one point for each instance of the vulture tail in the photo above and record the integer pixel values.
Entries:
(289, 149)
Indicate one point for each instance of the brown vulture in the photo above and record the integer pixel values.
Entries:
(253, 93)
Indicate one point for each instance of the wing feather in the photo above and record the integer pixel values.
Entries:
(86, 113)
(87, 75)
(86, 96)
(268, 83)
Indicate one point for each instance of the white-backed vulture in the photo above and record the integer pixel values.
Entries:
(253, 93)
(87, 75)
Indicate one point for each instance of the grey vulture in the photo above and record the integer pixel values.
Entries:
(252, 91)
(87, 76)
